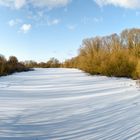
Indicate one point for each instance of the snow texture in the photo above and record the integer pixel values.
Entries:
(67, 104)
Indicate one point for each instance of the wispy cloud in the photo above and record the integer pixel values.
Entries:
(95, 19)
(132, 4)
(72, 27)
(41, 19)
(51, 22)
(87, 20)
(17, 4)
(14, 22)
(25, 28)
(50, 3)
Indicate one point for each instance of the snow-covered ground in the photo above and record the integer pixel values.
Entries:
(63, 104)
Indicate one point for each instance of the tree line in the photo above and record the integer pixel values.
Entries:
(11, 65)
(113, 55)
(52, 63)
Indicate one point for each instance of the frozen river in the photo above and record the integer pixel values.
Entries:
(67, 104)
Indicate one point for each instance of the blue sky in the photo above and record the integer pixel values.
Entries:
(41, 29)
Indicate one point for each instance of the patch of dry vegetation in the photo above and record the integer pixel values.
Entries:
(10, 66)
(114, 55)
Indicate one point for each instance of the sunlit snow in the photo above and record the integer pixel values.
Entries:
(63, 104)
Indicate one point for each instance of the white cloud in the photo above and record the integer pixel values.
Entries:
(132, 4)
(25, 28)
(14, 22)
(17, 4)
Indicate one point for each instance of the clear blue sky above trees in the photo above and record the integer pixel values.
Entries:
(40, 29)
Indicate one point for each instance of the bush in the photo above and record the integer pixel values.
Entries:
(137, 71)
